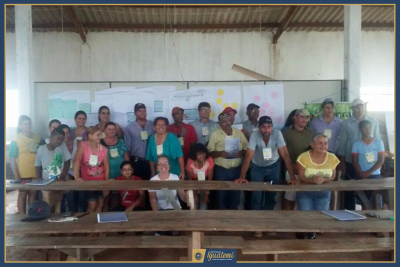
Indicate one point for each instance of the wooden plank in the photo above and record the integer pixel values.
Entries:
(349, 185)
(318, 245)
(194, 243)
(224, 242)
(210, 220)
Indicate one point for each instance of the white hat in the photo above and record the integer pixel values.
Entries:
(357, 102)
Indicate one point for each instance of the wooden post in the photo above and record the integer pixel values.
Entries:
(44, 255)
(272, 257)
(195, 242)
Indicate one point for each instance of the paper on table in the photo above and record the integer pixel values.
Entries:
(232, 146)
(111, 217)
(344, 215)
(170, 198)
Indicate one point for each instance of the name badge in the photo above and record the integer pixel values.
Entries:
(114, 152)
(181, 141)
(159, 150)
(79, 138)
(33, 147)
(255, 129)
(204, 131)
(143, 135)
(201, 176)
(328, 133)
(370, 157)
(93, 160)
(103, 134)
(267, 153)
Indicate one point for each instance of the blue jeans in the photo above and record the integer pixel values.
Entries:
(227, 199)
(313, 200)
(261, 200)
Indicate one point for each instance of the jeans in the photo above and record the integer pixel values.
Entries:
(227, 199)
(313, 200)
(261, 200)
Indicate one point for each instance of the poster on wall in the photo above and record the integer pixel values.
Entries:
(342, 110)
(220, 97)
(64, 105)
(160, 106)
(270, 98)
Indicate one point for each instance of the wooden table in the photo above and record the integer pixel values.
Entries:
(351, 185)
(198, 222)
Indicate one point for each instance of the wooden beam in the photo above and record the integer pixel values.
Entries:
(77, 23)
(285, 23)
(116, 27)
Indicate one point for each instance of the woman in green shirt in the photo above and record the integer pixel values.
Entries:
(117, 153)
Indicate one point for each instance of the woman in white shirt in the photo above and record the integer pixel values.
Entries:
(165, 199)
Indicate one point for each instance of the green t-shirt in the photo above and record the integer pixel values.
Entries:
(297, 142)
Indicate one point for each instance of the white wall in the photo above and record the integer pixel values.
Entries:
(202, 57)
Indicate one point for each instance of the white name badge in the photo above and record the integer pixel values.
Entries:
(204, 131)
(201, 176)
(79, 138)
(328, 133)
(370, 157)
(114, 152)
(103, 134)
(93, 160)
(255, 129)
(159, 150)
(33, 147)
(267, 153)
(143, 135)
(181, 141)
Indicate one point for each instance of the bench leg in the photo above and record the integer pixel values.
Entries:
(272, 257)
(195, 242)
(79, 254)
(391, 199)
(364, 200)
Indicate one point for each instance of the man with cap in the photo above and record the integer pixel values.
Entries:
(251, 125)
(328, 125)
(298, 140)
(185, 132)
(349, 133)
(136, 136)
(265, 148)
(227, 146)
(231, 112)
(203, 124)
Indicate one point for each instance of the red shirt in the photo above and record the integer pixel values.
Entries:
(189, 137)
(128, 197)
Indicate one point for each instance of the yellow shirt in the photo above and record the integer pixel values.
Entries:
(217, 143)
(23, 149)
(324, 169)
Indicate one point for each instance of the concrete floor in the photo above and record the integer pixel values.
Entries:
(175, 254)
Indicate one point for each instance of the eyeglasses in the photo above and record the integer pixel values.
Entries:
(163, 164)
(205, 110)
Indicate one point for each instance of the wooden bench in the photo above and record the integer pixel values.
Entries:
(272, 248)
(85, 247)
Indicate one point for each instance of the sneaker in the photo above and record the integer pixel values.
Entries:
(311, 236)
(258, 234)
(157, 234)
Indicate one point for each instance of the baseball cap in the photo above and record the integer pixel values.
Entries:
(328, 101)
(263, 120)
(139, 106)
(252, 106)
(357, 102)
(302, 112)
(37, 211)
(229, 109)
(222, 116)
(175, 109)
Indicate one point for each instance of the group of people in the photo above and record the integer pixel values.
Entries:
(201, 150)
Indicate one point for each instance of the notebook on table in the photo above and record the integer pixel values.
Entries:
(41, 182)
(344, 215)
(111, 217)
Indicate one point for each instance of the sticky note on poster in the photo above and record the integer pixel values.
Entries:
(191, 114)
(54, 108)
(131, 116)
(158, 106)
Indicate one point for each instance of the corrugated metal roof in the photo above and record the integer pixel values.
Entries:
(202, 18)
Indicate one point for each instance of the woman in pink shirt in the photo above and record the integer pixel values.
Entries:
(200, 166)
(91, 164)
